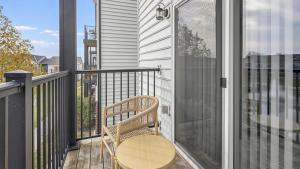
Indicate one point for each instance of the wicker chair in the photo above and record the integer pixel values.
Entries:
(144, 115)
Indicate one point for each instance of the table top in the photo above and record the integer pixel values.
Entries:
(146, 152)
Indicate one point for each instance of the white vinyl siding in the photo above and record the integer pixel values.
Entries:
(119, 34)
(155, 50)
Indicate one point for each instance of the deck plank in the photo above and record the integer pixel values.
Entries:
(95, 154)
(84, 157)
(71, 160)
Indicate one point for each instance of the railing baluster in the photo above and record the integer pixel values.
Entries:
(38, 121)
(141, 83)
(44, 126)
(121, 92)
(49, 123)
(113, 95)
(90, 97)
(99, 103)
(106, 94)
(128, 92)
(134, 83)
(52, 123)
(56, 125)
(60, 120)
(148, 83)
(134, 88)
(3, 121)
(297, 100)
(154, 83)
(81, 103)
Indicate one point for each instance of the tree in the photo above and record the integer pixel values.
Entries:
(14, 50)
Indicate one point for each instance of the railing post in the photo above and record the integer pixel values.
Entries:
(19, 124)
(3, 115)
(68, 61)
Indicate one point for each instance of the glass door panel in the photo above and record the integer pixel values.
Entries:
(197, 75)
(269, 118)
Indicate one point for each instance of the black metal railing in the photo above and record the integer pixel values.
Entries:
(114, 85)
(50, 120)
(7, 90)
(33, 120)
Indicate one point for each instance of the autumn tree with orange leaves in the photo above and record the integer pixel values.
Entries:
(14, 50)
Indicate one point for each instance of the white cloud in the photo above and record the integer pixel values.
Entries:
(45, 48)
(50, 32)
(37, 43)
(25, 28)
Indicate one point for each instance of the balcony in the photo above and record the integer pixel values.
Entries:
(43, 132)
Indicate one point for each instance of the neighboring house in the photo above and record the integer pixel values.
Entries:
(51, 65)
(37, 59)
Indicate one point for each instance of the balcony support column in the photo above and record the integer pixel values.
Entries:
(19, 125)
(68, 61)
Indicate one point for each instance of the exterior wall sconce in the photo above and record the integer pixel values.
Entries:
(162, 12)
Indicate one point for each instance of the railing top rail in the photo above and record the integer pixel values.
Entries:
(117, 70)
(47, 78)
(9, 88)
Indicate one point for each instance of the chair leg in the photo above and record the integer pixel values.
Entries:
(101, 149)
(112, 160)
(116, 164)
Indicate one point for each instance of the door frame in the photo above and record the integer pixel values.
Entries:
(219, 69)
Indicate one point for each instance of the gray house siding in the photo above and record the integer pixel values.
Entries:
(118, 34)
(155, 49)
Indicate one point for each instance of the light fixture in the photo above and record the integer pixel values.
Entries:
(162, 12)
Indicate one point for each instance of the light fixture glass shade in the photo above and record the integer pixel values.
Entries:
(159, 13)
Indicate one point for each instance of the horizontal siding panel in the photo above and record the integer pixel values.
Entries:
(156, 55)
(156, 28)
(164, 63)
(162, 44)
(119, 14)
(119, 46)
(126, 50)
(117, 32)
(119, 3)
(156, 36)
(119, 11)
(150, 23)
(107, 39)
(110, 35)
(118, 26)
(122, 1)
(118, 53)
(124, 8)
(116, 18)
(155, 41)
(117, 57)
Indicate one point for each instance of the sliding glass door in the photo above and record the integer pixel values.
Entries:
(197, 81)
(268, 127)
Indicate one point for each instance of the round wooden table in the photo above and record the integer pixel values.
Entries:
(146, 152)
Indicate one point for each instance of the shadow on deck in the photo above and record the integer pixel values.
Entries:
(88, 157)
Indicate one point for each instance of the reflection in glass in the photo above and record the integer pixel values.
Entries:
(270, 128)
(198, 124)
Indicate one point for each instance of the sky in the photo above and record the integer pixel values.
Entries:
(38, 21)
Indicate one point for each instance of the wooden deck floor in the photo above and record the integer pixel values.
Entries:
(88, 157)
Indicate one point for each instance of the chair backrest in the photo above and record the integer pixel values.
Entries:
(146, 107)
